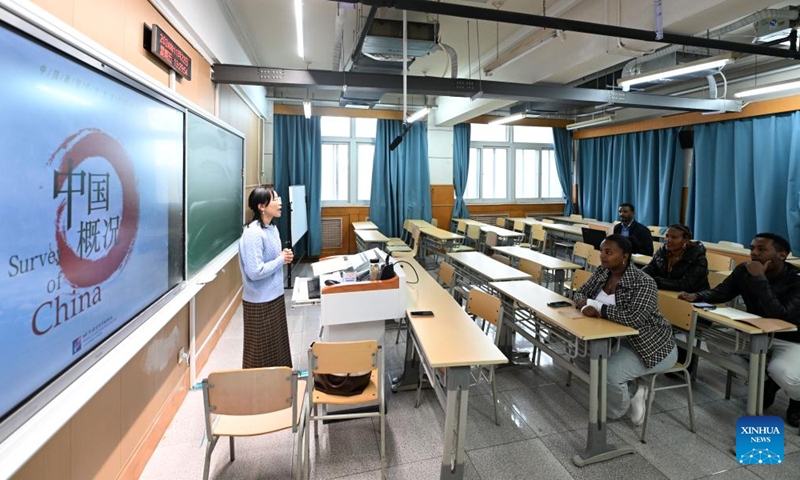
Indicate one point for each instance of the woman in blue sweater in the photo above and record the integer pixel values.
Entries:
(266, 336)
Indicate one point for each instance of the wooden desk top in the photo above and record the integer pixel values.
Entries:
(501, 232)
(450, 338)
(640, 259)
(536, 298)
(488, 267)
(421, 223)
(371, 236)
(728, 322)
(526, 220)
(546, 261)
(727, 249)
(570, 220)
(468, 221)
(571, 229)
(440, 234)
(364, 225)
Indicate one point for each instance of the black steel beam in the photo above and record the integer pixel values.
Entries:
(493, 15)
(448, 87)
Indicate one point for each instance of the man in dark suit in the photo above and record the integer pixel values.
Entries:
(638, 234)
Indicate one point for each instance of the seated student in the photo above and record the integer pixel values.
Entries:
(679, 265)
(638, 234)
(770, 288)
(620, 292)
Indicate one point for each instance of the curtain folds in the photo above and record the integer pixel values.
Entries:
(562, 143)
(746, 179)
(461, 139)
(643, 168)
(400, 179)
(298, 161)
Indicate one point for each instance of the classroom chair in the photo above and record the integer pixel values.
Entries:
(715, 278)
(487, 307)
(548, 220)
(461, 227)
(654, 229)
(656, 246)
(576, 216)
(435, 222)
(532, 269)
(490, 242)
(446, 276)
(500, 222)
(683, 319)
(502, 259)
(579, 277)
(719, 263)
(538, 238)
(255, 401)
(414, 247)
(473, 234)
(581, 251)
(341, 358)
(593, 262)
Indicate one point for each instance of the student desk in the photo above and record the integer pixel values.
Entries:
(467, 221)
(475, 268)
(451, 340)
(567, 232)
(368, 239)
(525, 311)
(504, 236)
(437, 239)
(640, 259)
(420, 224)
(740, 336)
(364, 225)
(738, 254)
(557, 266)
(572, 221)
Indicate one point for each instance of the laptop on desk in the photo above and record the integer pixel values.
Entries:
(593, 237)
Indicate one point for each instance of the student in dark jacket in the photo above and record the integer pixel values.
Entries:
(770, 288)
(679, 265)
(638, 234)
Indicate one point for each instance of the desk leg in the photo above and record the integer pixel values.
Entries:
(410, 376)
(559, 277)
(597, 448)
(455, 423)
(757, 374)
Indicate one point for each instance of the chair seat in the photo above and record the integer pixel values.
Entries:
(397, 248)
(369, 395)
(250, 425)
(462, 248)
(396, 242)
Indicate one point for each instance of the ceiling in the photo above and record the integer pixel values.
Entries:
(266, 31)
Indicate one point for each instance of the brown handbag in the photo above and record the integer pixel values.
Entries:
(343, 385)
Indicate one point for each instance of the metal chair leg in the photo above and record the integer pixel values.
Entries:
(688, 379)
(728, 385)
(233, 453)
(650, 396)
(494, 394)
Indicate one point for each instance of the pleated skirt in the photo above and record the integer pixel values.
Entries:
(266, 335)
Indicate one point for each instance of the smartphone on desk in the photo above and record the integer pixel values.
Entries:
(421, 313)
(560, 304)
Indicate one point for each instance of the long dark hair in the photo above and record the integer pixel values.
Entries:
(262, 194)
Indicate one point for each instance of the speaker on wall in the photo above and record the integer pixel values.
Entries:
(686, 138)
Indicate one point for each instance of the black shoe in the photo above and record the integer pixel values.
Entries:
(770, 390)
(793, 413)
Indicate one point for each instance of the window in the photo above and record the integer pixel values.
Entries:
(512, 164)
(348, 147)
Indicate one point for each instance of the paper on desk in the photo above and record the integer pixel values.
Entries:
(328, 266)
(734, 314)
(571, 313)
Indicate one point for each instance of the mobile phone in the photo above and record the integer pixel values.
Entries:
(560, 304)
(421, 313)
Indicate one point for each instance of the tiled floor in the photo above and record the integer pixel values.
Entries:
(542, 425)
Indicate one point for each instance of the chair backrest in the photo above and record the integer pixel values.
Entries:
(731, 244)
(715, 278)
(435, 222)
(579, 277)
(576, 216)
(656, 246)
(502, 259)
(539, 236)
(532, 269)
(249, 391)
(474, 232)
(491, 239)
(681, 315)
(581, 250)
(500, 222)
(519, 226)
(601, 228)
(654, 229)
(483, 305)
(718, 262)
(461, 227)
(446, 274)
(594, 260)
(548, 220)
(344, 357)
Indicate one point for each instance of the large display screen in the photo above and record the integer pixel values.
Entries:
(90, 207)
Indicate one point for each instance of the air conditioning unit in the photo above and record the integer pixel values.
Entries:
(384, 40)
(771, 29)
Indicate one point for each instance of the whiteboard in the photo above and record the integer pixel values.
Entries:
(298, 216)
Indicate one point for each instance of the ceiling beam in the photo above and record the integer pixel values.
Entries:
(449, 87)
(517, 18)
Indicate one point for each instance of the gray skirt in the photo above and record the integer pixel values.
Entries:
(266, 336)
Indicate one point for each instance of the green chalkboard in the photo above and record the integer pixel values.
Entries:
(214, 191)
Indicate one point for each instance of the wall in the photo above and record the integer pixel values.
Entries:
(115, 433)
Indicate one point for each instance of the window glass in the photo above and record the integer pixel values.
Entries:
(335, 171)
(524, 134)
(488, 133)
(551, 187)
(366, 152)
(493, 174)
(366, 127)
(335, 126)
(527, 174)
(471, 191)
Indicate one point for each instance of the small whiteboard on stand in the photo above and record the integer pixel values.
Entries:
(298, 216)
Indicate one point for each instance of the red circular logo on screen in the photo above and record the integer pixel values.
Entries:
(93, 143)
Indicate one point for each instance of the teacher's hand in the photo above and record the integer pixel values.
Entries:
(288, 255)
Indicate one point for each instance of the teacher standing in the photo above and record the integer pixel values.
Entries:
(266, 336)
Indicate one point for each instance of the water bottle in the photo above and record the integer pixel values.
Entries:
(374, 269)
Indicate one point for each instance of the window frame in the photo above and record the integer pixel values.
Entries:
(352, 158)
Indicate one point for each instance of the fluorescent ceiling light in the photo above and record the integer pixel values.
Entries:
(298, 20)
(418, 114)
(356, 105)
(590, 123)
(777, 87)
(307, 109)
(676, 71)
(509, 119)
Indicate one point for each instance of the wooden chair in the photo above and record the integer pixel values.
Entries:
(548, 220)
(715, 278)
(446, 276)
(502, 259)
(719, 263)
(656, 246)
(579, 277)
(487, 307)
(490, 242)
(473, 234)
(519, 226)
(581, 251)
(461, 227)
(654, 229)
(576, 216)
(593, 262)
(435, 222)
(683, 318)
(500, 222)
(538, 238)
(731, 244)
(340, 358)
(532, 269)
(255, 401)
(414, 248)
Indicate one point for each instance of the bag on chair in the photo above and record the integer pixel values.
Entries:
(343, 385)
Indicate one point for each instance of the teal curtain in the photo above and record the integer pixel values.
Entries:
(643, 168)
(297, 158)
(562, 143)
(746, 179)
(461, 139)
(400, 179)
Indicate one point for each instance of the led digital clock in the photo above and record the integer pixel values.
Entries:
(163, 47)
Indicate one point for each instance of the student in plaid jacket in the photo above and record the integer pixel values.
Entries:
(620, 292)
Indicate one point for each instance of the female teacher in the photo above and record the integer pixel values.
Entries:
(266, 336)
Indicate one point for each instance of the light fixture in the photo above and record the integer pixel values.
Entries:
(298, 20)
(776, 87)
(711, 63)
(307, 108)
(418, 114)
(509, 119)
(590, 123)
